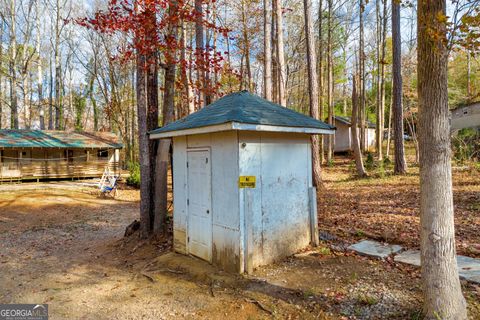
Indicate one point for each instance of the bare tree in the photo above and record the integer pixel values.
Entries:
(361, 58)
(246, 45)
(13, 67)
(382, 79)
(39, 68)
(199, 46)
(186, 80)
(330, 77)
(443, 297)
(320, 70)
(400, 163)
(163, 145)
(267, 50)
(2, 23)
(280, 49)
(356, 143)
(312, 89)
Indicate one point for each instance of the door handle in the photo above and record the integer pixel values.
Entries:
(208, 211)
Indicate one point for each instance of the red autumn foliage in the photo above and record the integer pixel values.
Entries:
(149, 24)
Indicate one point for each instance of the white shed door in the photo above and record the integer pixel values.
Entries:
(199, 204)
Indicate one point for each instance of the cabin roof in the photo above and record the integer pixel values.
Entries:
(58, 139)
(347, 121)
(243, 111)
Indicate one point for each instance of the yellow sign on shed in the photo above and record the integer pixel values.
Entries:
(246, 181)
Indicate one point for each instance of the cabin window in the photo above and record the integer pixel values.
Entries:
(102, 154)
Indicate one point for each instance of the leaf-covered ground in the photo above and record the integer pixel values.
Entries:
(64, 246)
(385, 207)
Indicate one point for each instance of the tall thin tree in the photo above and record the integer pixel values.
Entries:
(13, 67)
(356, 143)
(200, 46)
(400, 163)
(267, 50)
(320, 70)
(39, 69)
(163, 145)
(312, 89)
(280, 49)
(330, 77)
(361, 58)
(443, 297)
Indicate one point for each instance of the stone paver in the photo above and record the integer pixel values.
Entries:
(375, 249)
(409, 257)
(468, 268)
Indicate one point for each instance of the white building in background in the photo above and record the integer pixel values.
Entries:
(466, 117)
(343, 134)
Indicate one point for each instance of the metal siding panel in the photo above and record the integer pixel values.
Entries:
(225, 201)
(250, 165)
(285, 200)
(179, 193)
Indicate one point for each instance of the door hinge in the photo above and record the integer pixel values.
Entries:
(188, 202)
(187, 164)
(188, 239)
(206, 160)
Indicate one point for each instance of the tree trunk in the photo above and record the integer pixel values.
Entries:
(361, 110)
(389, 132)
(41, 112)
(382, 77)
(246, 46)
(91, 94)
(267, 50)
(400, 163)
(379, 127)
(50, 99)
(58, 72)
(320, 71)
(330, 79)
(144, 158)
(356, 143)
(282, 74)
(441, 286)
(163, 146)
(207, 84)
(469, 75)
(274, 54)
(152, 124)
(1, 74)
(312, 90)
(13, 68)
(199, 48)
(184, 74)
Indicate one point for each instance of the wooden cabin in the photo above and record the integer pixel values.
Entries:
(37, 154)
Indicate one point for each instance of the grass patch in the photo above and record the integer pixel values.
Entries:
(367, 299)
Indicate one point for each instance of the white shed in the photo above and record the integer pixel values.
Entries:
(343, 134)
(242, 178)
(467, 116)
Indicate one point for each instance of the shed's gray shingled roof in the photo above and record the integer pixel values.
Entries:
(244, 107)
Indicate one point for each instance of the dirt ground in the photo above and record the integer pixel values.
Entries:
(63, 245)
